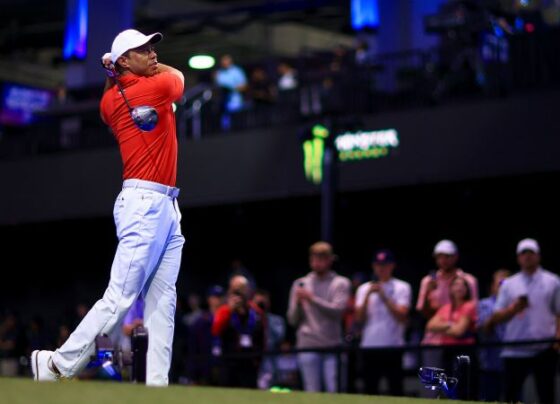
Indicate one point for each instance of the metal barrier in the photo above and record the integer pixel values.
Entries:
(344, 352)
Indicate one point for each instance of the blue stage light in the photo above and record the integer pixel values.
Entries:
(365, 14)
(75, 34)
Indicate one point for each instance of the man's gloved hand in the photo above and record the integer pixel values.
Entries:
(108, 65)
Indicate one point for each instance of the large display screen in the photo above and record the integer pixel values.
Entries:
(18, 103)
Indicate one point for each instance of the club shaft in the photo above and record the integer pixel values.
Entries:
(117, 82)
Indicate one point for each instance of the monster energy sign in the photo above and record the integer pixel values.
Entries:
(313, 152)
(366, 145)
(351, 146)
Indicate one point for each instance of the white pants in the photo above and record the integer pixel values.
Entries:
(147, 261)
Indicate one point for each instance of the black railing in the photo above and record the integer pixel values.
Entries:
(347, 356)
(386, 82)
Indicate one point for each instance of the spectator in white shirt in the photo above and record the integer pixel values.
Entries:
(529, 304)
(382, 305)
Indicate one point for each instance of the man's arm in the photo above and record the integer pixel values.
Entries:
(339, 301)
(221, 320)
(109, 81)
(506, 314)
(108, 84)
(362, 304)
(400, 312)
(168, 69)
(424, 305)
(474, 287)
(294, 313)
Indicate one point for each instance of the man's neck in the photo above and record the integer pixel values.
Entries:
(530, 270)
(448, 273)
(323, 274)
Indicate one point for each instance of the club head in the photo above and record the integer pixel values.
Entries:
(145, 117)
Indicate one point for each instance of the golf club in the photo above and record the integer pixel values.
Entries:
(145, 117)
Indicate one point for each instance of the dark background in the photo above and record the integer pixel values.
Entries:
(58, 264)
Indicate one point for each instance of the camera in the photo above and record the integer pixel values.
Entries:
(436, 379)
(432, 377)
(103, 365)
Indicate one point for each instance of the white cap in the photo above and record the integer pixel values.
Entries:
(446, 247)
(528, 244)
(131, 39)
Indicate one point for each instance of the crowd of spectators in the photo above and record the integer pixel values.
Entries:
(346, 81)
(232, 339)
(352, 80)
(322, 82)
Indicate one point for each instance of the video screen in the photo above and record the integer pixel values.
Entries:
(19, 103)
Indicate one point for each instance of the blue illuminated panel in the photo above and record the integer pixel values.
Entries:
(75, 35)
(19, 103)
(365, 14)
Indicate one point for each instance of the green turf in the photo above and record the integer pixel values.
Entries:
(15, 391)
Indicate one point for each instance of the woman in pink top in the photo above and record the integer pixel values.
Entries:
(455, 324)
(456, 321)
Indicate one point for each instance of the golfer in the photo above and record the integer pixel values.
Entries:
(146, 213)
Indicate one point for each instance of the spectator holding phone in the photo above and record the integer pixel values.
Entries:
(529, 304)
(382, 306)
(434, 288)
(317, 304)
(435, 293)
(240, 326)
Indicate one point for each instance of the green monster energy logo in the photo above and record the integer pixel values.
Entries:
(313, 152)
(366, 144)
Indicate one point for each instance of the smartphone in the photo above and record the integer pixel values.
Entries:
(524, 299)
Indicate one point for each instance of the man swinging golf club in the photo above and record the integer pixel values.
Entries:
(137, 107)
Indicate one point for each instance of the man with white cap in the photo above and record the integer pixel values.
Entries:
(435, 293)
(529, 305)
(434, 288)
(146, 213)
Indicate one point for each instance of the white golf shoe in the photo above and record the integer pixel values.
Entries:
(42, 368)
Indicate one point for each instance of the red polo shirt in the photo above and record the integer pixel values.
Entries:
(150, 156)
